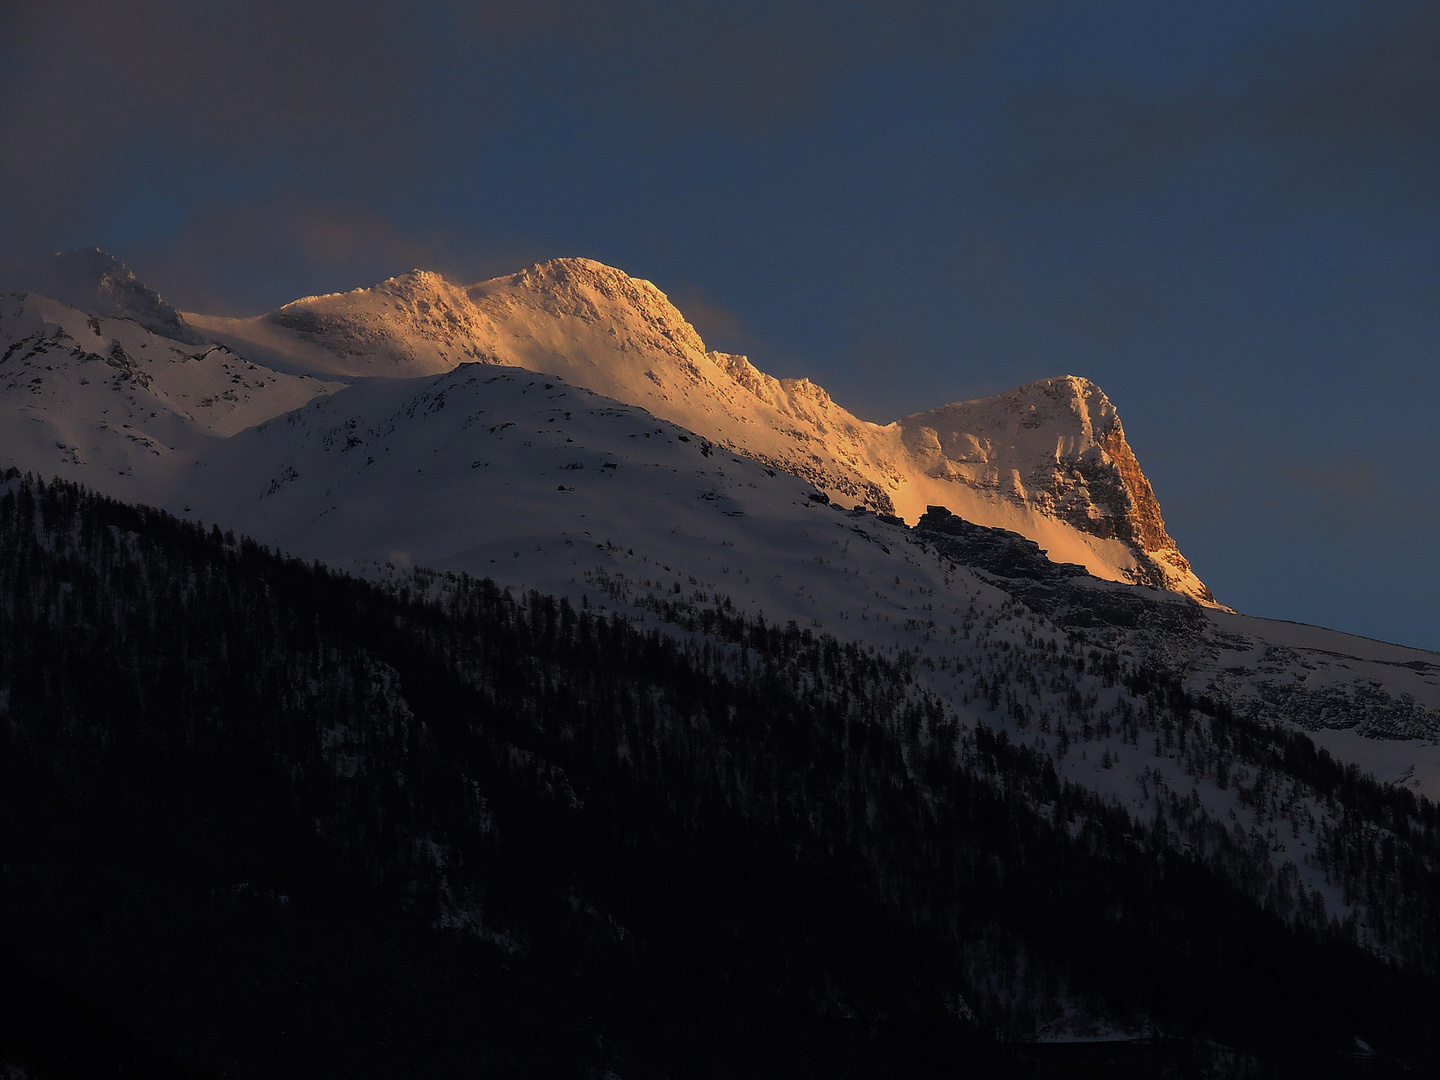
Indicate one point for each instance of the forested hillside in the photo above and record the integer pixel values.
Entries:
(258, 818)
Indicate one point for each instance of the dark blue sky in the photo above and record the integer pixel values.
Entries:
(1227, 214)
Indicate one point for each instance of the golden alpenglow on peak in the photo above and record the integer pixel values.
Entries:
(1048, 460)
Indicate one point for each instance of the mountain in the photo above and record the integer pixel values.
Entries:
(100, 284)
(497, 472)
(1057, 448)
(115, 403)
(584, 639)
(493, 468)
(1049, 460)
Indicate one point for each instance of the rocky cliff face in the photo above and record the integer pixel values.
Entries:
(1056, 447)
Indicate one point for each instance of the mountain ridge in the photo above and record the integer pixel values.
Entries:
(1085, 499)
(1129, 711)
(97, 283)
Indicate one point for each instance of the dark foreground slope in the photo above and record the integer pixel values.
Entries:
(260, 819)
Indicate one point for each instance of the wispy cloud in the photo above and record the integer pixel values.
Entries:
(198, 103)
(245, 256)
(720, 327)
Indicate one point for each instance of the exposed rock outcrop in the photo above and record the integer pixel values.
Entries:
(1056, 446)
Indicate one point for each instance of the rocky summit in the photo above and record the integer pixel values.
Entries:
(1048, 460)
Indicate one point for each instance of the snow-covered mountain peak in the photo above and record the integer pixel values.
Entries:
(117, 406)
(1069, 411)
(411, 325)
(570, 275)
(594, 293)
(415, 292)
(1055, 445)
(1047, 460)
(97, 283)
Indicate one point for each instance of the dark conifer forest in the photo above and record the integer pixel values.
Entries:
(262, 819)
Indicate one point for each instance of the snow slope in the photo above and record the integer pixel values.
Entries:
(98, 283)
(565, 429)
(540, 484)
(112, 404)
(527, 479)
(1049, 461)
(504, 473)
(356, 476)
